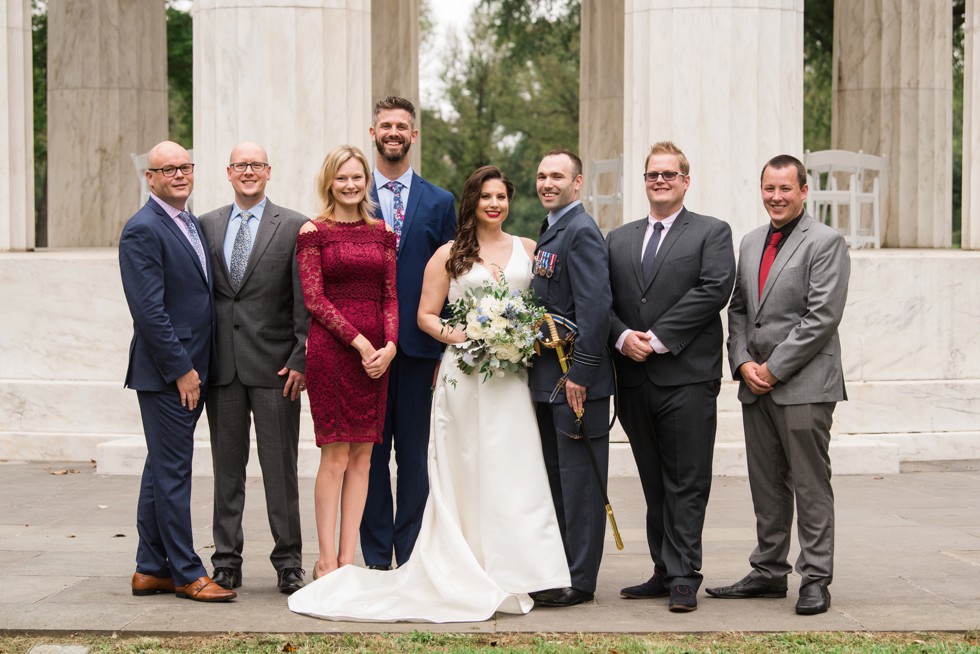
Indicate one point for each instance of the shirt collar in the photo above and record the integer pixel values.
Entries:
(666, 222)
(405, 180)
(257, 211)
(555, 216)
(172, 211)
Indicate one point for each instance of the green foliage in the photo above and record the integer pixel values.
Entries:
(818, 42)
(180, 78)
(959, 17)
(39, 41)
(513, 90)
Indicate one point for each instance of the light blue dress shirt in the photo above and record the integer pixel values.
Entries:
(554, 217)
(236, 221)
(386, 199)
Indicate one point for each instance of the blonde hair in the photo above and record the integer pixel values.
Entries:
(328, 173)
(668, 147)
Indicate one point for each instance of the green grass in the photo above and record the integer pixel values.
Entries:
(427, 641)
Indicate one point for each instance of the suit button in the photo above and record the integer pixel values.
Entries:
(758, 325)
(238, 299)
(236, 327)
(643, 301)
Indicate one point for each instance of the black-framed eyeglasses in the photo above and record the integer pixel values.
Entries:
(242, 166)
(668, 175)
(170, 171)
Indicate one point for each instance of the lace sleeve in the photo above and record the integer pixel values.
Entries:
(389, 294)
(308, 251)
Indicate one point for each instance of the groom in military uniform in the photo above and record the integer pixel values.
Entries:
(571, 276)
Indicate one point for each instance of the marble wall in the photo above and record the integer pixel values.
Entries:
(293, 75)
(892, 96)
(107, 99)
(908, 336)
(971, 129)
(600, 130)
(16, 127)
(723, 80)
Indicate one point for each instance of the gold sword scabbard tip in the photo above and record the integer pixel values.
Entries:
(615, 529)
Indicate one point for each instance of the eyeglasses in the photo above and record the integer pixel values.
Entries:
(242, 166)
(668, 175)
(170, 171)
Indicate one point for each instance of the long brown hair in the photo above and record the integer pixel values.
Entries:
(328, 173)
(465, 250)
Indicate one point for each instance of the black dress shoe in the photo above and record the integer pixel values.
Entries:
(291, 580)
(649, 589)
(683, 599)
(227, 578)
(745, 588)
(814, 599)
(561, 597)
(385, 568)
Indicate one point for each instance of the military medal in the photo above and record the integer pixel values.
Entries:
(544, 263)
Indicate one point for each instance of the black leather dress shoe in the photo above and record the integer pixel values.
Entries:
(384, 568)
(227, 578)
(814, 599)
(291, 580)
(561, 597)
(683, 599)
(745, 588)
(649, 589)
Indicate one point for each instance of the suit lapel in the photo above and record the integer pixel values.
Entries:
(267, 229)
(414, 198)
(785, 253)
(636, 251)
(558, 227)
(217, 237)
(676, 230)
(171, 224)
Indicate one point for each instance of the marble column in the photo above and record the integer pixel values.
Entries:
(971, 129)
(600, 130)
(723, 79)
(395, 58)
(293, 75)
(893, 96)
(16, 127)
(107, 99)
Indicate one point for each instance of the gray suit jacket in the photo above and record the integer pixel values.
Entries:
(263, 326)
(681, 303)
(793, 326)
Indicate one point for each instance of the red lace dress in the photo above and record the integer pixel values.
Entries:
(348, 276)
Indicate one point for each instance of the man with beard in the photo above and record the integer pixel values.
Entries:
(423, 217)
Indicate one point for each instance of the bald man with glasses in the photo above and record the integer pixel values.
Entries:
(261, 329)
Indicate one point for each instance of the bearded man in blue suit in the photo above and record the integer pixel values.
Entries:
(423, 217)
(166, 276)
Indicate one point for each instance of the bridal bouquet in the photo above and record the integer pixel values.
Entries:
(500, 326)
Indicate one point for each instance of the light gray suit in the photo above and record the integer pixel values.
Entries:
(260, 329)
(792, 328)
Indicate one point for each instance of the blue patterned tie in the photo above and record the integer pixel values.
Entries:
(241, 250)
(195, 240)
(398, 213)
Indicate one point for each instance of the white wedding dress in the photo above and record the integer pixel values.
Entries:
(489, 534)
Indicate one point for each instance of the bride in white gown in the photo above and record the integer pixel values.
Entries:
(489, 535)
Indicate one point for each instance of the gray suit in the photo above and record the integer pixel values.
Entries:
(579, 290)
(793, 329)
(668, 403)
(260, 329)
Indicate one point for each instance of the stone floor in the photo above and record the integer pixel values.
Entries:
(908, 558)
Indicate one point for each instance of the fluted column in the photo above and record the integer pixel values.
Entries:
(107, 99)
(395, 58)
(16, 127)
(893, 96)
(293, 75)
(971, 129)
(723, 79)
(600, 130)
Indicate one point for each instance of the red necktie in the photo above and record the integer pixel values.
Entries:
(767, 258)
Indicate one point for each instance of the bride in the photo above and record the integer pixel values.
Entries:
(489, 535)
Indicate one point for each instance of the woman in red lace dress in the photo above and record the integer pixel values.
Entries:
(347, 268)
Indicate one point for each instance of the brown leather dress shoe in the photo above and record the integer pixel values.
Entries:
(205, 590)
(148, 585)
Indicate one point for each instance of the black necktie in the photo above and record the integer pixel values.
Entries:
(650, 254)
(544, 225)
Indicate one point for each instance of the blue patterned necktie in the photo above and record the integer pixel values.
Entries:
(241, 250)
(398, 213)
(195, 240)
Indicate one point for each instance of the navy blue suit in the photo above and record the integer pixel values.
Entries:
(430, 221)
(170, 299)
